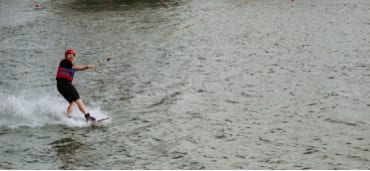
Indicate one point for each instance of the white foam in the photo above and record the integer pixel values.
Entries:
(35, 110)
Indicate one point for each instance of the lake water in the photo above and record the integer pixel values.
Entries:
(221, 84)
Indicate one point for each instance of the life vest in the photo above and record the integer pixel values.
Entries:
(66, 73)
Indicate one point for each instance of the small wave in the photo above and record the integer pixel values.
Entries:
(30, 110)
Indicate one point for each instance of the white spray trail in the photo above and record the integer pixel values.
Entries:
(32, 110)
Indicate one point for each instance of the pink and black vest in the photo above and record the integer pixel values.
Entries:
(66, 73)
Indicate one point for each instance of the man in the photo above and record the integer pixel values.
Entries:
(64, 79)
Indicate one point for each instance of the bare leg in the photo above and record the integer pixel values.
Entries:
(70, 110)
(81, 106)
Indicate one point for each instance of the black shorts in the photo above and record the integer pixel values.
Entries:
(68, 91)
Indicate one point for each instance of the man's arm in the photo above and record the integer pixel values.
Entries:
(82, 67)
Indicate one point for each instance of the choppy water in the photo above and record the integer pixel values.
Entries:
(221, 84)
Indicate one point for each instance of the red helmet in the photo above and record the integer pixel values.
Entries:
(70, 51)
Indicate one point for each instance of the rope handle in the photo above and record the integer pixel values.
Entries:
(103, 60)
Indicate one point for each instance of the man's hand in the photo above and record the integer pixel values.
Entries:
(91, 66)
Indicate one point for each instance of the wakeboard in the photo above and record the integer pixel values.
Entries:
(102, 119)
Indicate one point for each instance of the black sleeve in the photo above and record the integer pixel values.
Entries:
(66, 64)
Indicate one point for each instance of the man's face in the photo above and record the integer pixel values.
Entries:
(70, 57)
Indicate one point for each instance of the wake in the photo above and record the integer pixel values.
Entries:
(40, 110)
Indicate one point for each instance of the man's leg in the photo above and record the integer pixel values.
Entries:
(81, 106)
(70, 110)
